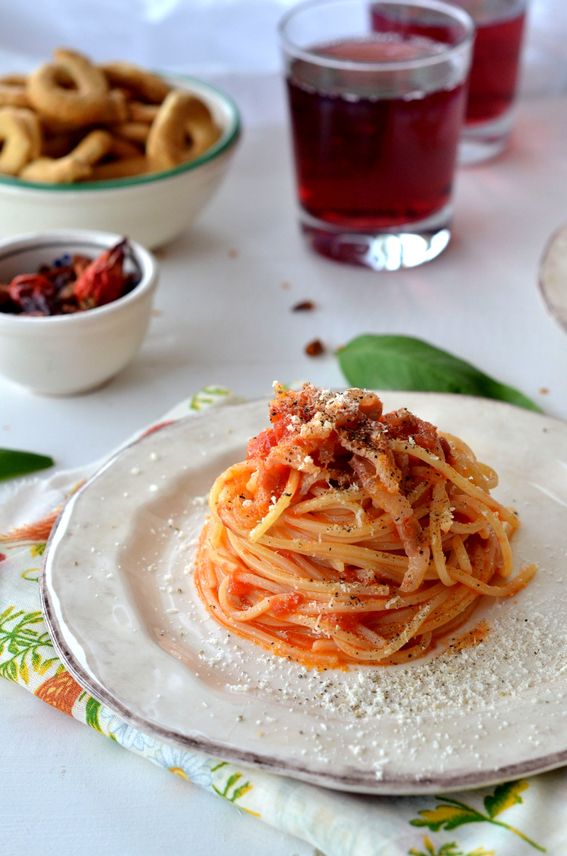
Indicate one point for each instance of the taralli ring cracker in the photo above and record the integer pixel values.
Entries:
(56, 170)
(137, 132)
(182, 130)
(138, 112)
(93, 147)
(121, 149)
(30, 120)
(71, 121)
(80, 103)
(20, 136)
(13, 91)
(122, 168)
(116, 109)
(73, 166)
(142, 84)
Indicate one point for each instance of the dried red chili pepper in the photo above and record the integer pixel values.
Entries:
(103, 280)
(80, 264)
(32, 293)
(70, 284)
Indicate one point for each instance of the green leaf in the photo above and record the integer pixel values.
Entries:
(29, 618)
(46, 665)
(8, 611)
(449, 849)
(446, 817)
(207, 396)
(504, 796)
(216, 390)
(24, 672)
(14, 463)
(38, 549)
(31, 575)
(92, 708)
(232, 780)
(402, 362)
(241, 791)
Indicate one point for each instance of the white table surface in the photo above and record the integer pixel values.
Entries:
(223, 316)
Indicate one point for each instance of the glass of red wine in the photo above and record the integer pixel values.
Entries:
(494, 71)
(494, 76)
(376, 115)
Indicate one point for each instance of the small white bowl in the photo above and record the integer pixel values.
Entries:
(152, 209)
(66, 354)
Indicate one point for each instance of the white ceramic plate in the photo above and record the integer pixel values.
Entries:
(120, 603)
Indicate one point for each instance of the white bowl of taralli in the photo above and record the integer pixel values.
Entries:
(152, 208)
(72, 353)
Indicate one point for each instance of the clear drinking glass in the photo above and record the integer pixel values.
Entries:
(376, 112)
(493, 77)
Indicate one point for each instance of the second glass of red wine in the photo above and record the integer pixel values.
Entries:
(493, 77)
(376, 116)
(494, 70)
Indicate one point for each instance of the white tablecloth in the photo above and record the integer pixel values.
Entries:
(223, 316)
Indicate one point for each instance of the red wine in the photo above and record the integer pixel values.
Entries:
(365, 157)
(495, 60)
(494, 71)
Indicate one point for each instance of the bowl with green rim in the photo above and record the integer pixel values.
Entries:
(152, 209)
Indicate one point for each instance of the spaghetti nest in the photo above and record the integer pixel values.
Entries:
(349, 536)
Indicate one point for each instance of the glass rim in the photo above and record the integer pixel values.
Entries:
(453, 12)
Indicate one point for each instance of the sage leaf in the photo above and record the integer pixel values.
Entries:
(15, 463)
(403, 362)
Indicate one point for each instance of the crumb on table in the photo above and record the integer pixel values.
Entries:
(314, 348)
(303, 306)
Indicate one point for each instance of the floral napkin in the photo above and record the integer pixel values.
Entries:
(513, 819)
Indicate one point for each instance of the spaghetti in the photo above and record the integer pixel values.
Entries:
(350, 536)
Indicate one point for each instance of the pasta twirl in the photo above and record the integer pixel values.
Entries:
(349, 536)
